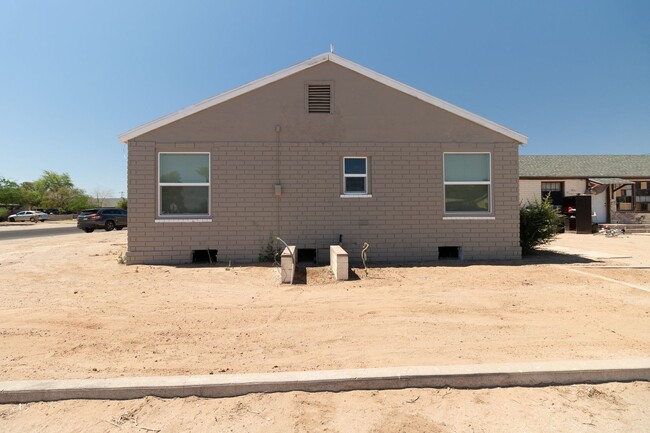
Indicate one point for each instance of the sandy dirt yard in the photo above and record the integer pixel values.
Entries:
(68, 309)
(611, 408)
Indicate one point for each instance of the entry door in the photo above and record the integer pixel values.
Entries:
(599, 207)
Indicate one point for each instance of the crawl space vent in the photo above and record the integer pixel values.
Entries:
(319, 98)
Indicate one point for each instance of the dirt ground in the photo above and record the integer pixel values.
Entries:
(68, 309)
(610, 408)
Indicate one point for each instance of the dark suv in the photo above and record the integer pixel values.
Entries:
(107, 218)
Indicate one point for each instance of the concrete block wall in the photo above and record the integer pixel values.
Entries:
(403, 220)
(530, 190)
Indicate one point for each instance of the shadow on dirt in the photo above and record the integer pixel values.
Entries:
(305, 271)
(537, 258)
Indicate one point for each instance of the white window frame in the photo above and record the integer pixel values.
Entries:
(489, 183)
(208, 184)
(365, 192)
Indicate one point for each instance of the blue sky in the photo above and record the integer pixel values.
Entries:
(572, 75)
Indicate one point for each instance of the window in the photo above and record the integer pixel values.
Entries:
(184, 184)
(319, 98)
(467, 179)
(624, 198)
(642, 196)
(355, 175)
(551, 186)
(555, 190)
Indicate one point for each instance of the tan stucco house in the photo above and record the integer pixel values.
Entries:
(619, 185)
(324, 152)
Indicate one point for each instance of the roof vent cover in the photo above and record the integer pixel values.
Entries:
(319, 98)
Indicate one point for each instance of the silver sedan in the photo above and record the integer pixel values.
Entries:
(28, 215)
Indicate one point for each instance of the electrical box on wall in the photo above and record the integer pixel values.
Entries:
(278, 190)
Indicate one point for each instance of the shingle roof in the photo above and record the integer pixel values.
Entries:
(579, 166)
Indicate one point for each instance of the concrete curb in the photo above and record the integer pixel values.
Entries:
(231, 385)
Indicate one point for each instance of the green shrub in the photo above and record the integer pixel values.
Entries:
(539, 223)
(269, 252)
(4, 213)
(123, 203)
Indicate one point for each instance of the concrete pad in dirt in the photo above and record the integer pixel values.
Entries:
(231, 385)
(629, 250)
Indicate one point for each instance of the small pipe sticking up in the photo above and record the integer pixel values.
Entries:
(364, 256)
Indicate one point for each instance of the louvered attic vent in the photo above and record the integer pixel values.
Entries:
(319, 98)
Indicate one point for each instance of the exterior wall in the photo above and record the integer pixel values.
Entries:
(603, 204)
(574, 186)
(636, 213)
(402, 221)
(627, 217)
(531, 189)
(403, 137)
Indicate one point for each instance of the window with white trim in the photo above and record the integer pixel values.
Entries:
(468, 182)
(184, 184)
(355, 175)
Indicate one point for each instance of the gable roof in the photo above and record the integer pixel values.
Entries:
(327, 57)
(584, 166)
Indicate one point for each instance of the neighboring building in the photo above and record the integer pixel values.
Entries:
(619, 185)
(107, 202)
(324, 152)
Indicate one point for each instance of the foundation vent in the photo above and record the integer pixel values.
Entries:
(319, 98)
(449, 253)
